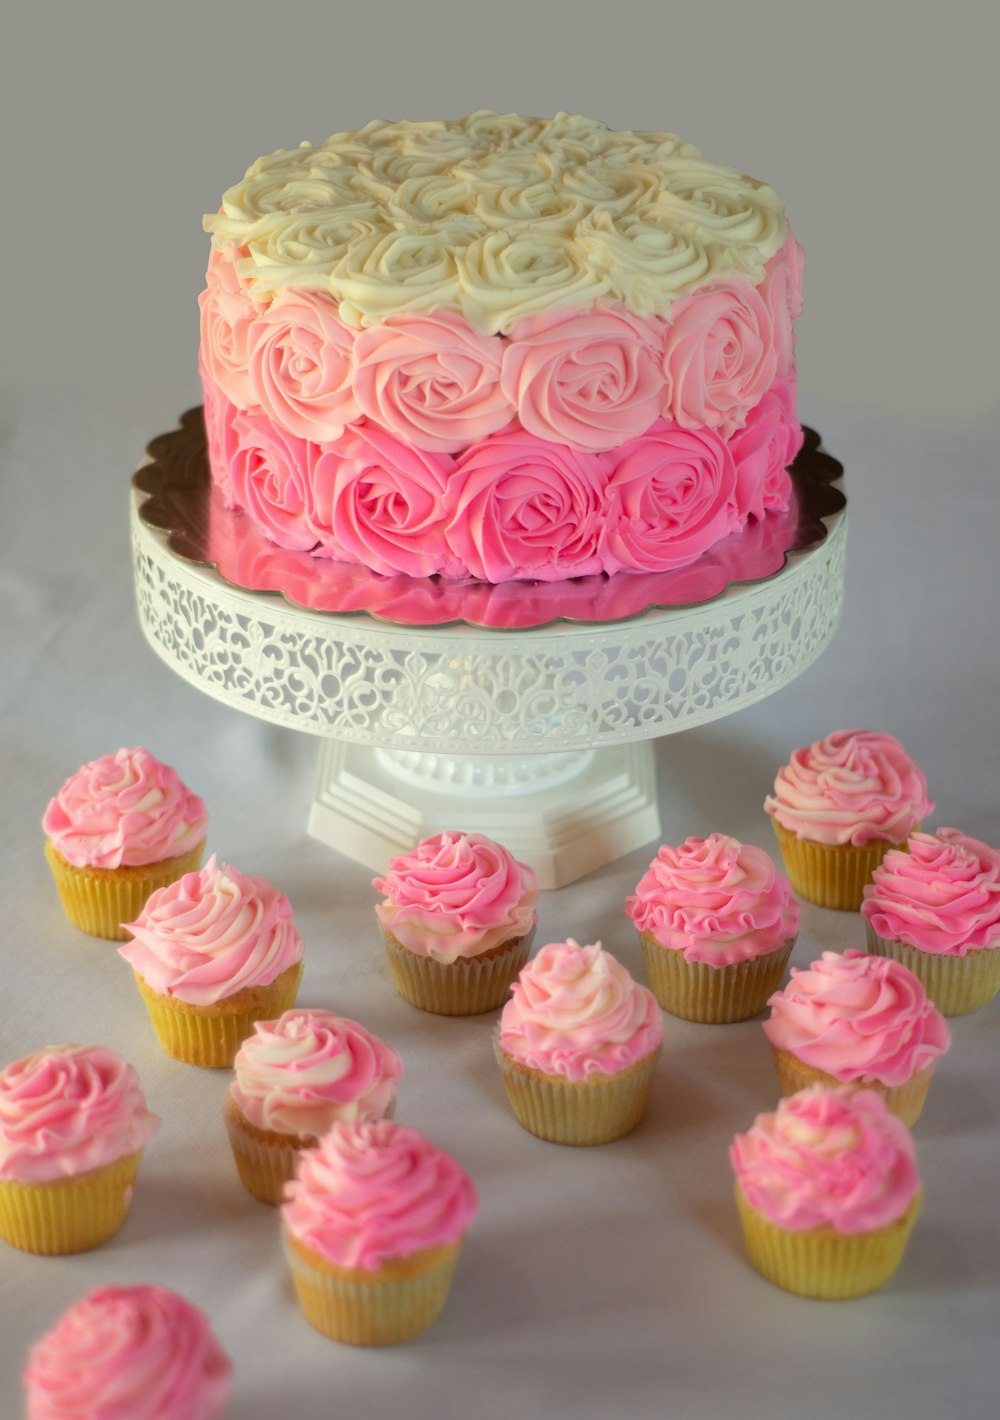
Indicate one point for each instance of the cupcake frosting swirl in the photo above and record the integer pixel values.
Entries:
(859, 1018)
(716, 900)
(211, 934)
(855, 786)
(124, 810)
(309, 1070)
(377, 1190)
(457, 895)
(942, 895)
(128, 1353)
(68, 1109)
(828, 1156)
(575, 1011)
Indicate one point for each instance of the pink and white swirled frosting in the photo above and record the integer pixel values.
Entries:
(374, 1191)
(122, 811)
(128, 1353)
(457, 895)
(942, 895)
(858, 1018)
(832, 1157)
(211, 934)
(716, 900)
(311, 1069)
(575, 1011)
(68, 1109)
(854, 786)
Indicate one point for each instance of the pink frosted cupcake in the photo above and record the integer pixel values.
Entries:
(838, 806)
(457, 922)
(118, 829)
(373, 1226)
(213, 953)
(577, 1046)
(128, 1353)
(859, 1020)
(827, 1191)
(294, 1079)
(936, 909)
(73, 1126)
(717, 924)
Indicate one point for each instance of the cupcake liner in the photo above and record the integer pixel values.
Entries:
(211, 1035)
(466, 987)
(905, 1101)
(379, 1307)
(99, 900)
(578, 1112)
(265, 1160)
(831, 874)
(956, 985)
(712, 995)
(66, 1215)
(820, 1262)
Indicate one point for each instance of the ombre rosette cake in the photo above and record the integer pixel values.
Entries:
(500, 348)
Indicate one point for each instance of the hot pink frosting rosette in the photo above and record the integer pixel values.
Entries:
(858, 1018)
(763, 449)
(68, 1109)
(128, 1353)
(227, 314)
(124, 810)
(941, 896)
(301, 366)
(271, 478)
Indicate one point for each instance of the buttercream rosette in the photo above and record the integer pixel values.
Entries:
(577, 1046)
(854, 1019)
(457, 920)
(212, 954)
(935, 907)
(837, 808)
(293, 1079)
(73, 1127)
(717, 923)
(827, 1191)
(373, 1224)
(118, 829)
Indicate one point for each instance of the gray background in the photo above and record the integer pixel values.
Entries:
(597, 1282)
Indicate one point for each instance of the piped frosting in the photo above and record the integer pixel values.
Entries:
(942, 895)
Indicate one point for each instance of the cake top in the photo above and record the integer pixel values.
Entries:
(495, 215)
(942, 894)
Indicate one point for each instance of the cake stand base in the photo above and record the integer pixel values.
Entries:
(565, 813)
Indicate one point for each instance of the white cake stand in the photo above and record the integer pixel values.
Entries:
(541, 738)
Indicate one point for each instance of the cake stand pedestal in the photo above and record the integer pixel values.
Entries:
(541, 738)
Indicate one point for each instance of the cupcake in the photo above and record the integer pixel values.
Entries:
(213, 953)
(858, 1020)
(936, 909)
(294, 1079)
(838, 807)
(118, 829)
(827, 1191)
(457, 922)
(73, 1125)
(577, 1046)
(373, 1224)
(717, 925)
(128, 1353)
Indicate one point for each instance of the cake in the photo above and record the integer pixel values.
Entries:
(717, 924)
(500, 348)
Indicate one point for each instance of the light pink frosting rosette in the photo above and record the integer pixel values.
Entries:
(457, 895)
(576, 1012)
(715, 900)
(855, 786)
(940, 896)
(301, 366)
(227, 314)
(309, 1070)
(124, 810)
(68, 1109)
(128, 1353)
(828, 1156)
(211, 934)
(857, 1017)
(375, 1191)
